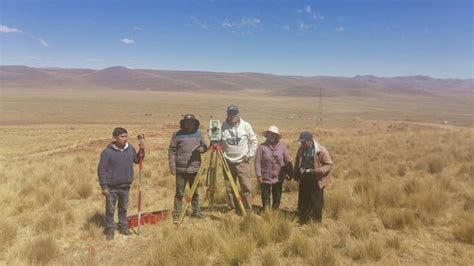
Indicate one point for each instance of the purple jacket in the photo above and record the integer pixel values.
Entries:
(270, 162)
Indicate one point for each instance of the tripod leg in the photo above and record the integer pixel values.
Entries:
(212, 179)
(188, 199)
(232, 183)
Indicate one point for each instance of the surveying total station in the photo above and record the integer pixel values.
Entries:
(209, 169)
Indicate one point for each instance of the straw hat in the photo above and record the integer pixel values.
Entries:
(272, 129)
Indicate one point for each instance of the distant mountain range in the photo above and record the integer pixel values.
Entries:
(163, 80)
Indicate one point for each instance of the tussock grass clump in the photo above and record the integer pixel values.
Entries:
(282, 230)
(83, 188)
(7, 235)
(430, 203)
(357, 223)
(270, 227)
(337, 201)
(43, 196)
(402, 170)
(260, 230)
(48, 223)
(94, 225)
(230, 226)
(58, 205)
(466, 170)
(435, 165)
(184, 248)
(324, 254)
(395, 218)
(368, 249)
(368, 190)
(42, 250)
(281, 225)
(27, 190)
(239, 250)
(469, 203)
(412, 186)
(354, 172)
(297, 246)
(463, 229)
(270, 257)
(394, 242)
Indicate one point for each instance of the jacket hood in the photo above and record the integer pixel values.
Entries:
(114, 147)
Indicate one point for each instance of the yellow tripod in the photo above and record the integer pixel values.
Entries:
(209, 168)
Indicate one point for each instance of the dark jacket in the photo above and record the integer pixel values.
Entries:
(182, 154)
(115, 167)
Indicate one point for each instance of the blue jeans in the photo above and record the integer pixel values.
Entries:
(120, 195)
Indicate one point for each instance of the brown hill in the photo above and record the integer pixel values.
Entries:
(163, 80)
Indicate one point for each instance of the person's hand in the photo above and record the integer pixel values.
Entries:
(245, 159)
(173, 171)
(259, 178)
(201, 149)
(288, 177)
(320, 184)
(296, 177)
(105, 192)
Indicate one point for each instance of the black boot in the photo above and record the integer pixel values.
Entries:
(109, 235)
(125, 231)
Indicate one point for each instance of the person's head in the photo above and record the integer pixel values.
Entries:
(120, 135)
(306, 139)
(233, 114)
(189, 123)
(272, 134)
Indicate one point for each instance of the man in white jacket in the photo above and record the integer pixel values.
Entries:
(239, 144)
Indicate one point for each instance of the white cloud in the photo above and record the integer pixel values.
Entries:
(127, 41)
(199, 24)
(303, 26)
(308, 10)
(226, 24)
(286, 27)
(6, 29)
(137, 28)
(32, 57)
(317, 16)
(242, 24)
(42, 41)
(250, 22)
(340, 29)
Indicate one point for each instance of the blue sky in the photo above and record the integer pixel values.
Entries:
(337, 38)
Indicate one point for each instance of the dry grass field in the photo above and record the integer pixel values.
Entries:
(403, 190)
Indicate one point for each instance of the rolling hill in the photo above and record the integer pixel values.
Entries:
(123, 78)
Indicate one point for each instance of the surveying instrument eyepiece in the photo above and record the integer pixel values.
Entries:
(209, 169)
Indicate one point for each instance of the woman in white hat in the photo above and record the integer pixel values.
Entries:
(272, 165)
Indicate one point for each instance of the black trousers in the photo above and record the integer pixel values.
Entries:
(310, 200)
(275, 190)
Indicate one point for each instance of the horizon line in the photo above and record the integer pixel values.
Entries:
(249, 72)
